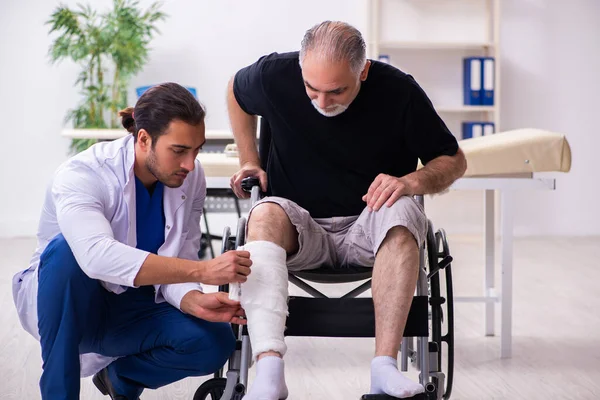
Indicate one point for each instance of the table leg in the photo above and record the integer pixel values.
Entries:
(506, 218)
(490, 240)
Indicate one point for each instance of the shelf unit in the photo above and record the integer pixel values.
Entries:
(418, 45)
(216, 139)
(421, 37)
(111, 134)
(429, 40)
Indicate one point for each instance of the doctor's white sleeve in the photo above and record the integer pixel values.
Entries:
(174, 292)
(80, 197)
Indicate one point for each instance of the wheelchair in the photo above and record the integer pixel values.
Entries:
(351, 316)
(430, 320)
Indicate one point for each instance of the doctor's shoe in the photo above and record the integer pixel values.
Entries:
(103, 384)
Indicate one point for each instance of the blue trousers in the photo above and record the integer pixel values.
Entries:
(157, 343)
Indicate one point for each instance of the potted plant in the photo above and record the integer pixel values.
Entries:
(110, 48)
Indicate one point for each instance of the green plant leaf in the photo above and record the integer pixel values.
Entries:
(117, 40)
(79, 145)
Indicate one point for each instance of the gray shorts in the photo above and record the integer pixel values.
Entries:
(343, 241)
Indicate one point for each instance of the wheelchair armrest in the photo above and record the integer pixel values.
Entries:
(252, 185)
(248, 183)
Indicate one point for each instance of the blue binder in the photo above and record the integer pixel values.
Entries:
(384, 58)
(472, 129)
(489, 128)
(472, 69)
(488, 80)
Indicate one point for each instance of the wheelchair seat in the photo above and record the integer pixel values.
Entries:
(335, 274)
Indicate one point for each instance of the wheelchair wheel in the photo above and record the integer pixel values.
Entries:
(437, 249)
(212, 389)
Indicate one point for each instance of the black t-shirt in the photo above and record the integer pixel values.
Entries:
(326, 164)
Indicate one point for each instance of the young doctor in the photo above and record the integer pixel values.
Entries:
(114, 286)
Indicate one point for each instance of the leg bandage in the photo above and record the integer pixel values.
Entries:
(264, 297)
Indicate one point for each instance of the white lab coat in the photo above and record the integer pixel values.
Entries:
(91, 201)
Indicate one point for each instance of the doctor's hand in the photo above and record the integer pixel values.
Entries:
(248, 169)
(231, 266)
(385, 189)
(213, 307)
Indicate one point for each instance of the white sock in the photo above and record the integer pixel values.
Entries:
(387, 379)
(269, 383)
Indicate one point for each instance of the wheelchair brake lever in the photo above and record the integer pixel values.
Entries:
(441, 265)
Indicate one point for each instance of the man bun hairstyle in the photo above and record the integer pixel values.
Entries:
(127, 120)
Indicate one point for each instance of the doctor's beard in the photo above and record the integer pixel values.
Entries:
(332, 111)
(169, 180)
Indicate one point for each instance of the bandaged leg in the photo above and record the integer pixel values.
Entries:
(264, 298)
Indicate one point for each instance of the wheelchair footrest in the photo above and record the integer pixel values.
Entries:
(420, 396)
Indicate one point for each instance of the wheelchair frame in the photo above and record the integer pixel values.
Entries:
(311, 317)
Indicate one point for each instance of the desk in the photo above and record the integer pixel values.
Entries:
(219, 168)
(110, 134)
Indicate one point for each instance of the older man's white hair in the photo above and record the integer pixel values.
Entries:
(335, 41)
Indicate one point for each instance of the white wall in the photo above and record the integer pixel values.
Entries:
(551, 55)
(204, 42)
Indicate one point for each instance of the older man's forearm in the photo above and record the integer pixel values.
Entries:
(243, 126)
(437, 175)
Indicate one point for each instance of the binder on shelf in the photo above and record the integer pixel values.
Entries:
(488, 81)
(488, 128)
(384, 58)
(472, 71)
(472, 129)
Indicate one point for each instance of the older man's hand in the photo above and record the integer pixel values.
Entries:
(248, 169)
(386, 189)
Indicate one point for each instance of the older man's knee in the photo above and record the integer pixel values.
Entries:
(412, 221)
(400, 237)
(267, 213)
(269, 221)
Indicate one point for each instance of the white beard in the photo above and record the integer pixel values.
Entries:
(336, 109)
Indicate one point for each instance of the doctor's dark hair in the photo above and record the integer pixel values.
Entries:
(160, 105)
